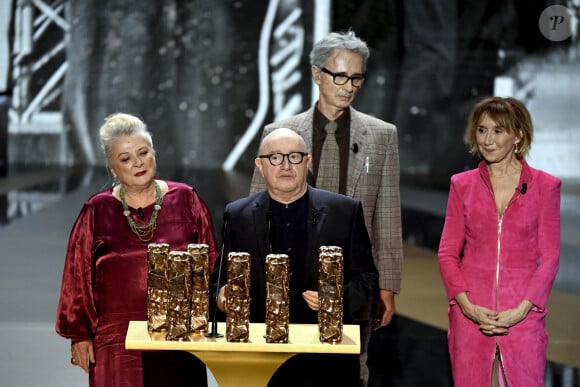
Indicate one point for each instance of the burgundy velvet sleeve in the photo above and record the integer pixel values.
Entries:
(76, 315)
(207, 235)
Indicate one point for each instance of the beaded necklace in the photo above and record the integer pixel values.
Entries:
(144, 233)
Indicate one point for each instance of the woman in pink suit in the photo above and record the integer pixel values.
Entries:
(499, 253)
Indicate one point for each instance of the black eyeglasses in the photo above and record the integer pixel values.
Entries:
(278, 158)
(342, 79)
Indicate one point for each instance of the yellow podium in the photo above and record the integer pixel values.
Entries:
(245, 364)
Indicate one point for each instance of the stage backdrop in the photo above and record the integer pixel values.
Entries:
(208, 75)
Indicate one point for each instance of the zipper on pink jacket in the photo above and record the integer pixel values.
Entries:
(499, 230)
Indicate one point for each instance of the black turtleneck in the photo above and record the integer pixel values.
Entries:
(289, 235)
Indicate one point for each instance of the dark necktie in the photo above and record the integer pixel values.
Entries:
(329, 166)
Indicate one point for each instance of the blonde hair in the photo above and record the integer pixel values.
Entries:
(121, 124)
(508, 113)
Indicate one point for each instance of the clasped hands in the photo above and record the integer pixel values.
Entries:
(492, 322)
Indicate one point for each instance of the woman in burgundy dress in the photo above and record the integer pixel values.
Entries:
(104, 283)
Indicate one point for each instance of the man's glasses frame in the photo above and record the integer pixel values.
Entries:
(341, 79)
(277, 158)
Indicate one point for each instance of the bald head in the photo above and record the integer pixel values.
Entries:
(282, 135)
(283, 162)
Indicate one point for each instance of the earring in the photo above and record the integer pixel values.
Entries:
(517, 148)
(115, 182)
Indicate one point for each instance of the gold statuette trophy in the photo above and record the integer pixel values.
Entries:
(330, 279)
(238, 298)
(199, 287)
(179, 288)
(157, 256)
(277, 307)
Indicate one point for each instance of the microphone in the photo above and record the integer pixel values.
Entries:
(269, 230)
(314, 219)
(225, 236)
(355, 148)
(524, 188)
(140, 213)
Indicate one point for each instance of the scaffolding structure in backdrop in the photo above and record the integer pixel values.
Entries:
(38, 66)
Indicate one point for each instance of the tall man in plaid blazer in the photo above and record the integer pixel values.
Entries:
(369, 160)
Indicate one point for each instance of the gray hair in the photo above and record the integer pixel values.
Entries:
(338, 41)
(121, 124)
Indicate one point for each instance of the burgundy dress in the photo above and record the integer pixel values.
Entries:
(104, 283)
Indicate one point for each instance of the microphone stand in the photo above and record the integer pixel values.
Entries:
(269, 230)
(214, 331)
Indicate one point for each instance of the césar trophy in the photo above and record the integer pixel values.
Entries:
(199, 287)
(178, 274)
(238, 297)
(277, 306)
(157, 257)
(330, 294)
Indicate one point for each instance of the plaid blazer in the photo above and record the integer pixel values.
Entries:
(373, 179)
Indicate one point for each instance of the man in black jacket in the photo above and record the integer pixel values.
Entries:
(292, 218)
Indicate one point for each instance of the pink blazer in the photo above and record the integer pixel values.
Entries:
(500, 262)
